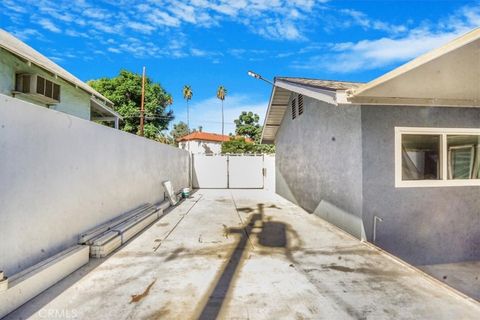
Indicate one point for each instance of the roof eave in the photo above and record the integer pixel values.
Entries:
(353, 94)
(330, 96)
(81, 85)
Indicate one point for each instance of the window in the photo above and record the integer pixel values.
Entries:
(300, 104)
(431, 157)
(294, 109)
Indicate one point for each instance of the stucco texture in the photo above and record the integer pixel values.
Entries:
(319, 162)
(421, 225)
(338, 162)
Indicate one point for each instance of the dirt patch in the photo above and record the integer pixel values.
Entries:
(371, 271)
(159, 314)
(163, 224)
(226, 231)
(175, 254)
(138, 297)
(341, 268)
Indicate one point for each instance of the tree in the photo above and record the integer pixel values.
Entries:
(125, 91)
(179, 130)
(221, 94)
(187, 95)
(237, 145)
(247, 126)
(165, 138)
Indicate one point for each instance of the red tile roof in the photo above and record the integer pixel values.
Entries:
(207, 136)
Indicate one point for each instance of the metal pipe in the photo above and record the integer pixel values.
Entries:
(375, 219)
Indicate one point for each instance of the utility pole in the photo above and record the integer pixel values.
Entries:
(142, 106)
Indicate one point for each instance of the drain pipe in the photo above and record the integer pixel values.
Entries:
(375, 220)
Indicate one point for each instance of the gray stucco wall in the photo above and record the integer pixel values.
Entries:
(61, 175)
(73, 101)
(319, 162)
(421, 225)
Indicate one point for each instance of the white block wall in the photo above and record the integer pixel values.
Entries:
(61, 175)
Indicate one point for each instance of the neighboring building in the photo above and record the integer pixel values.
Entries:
(28, 75)
(202, 142)
(401, 153)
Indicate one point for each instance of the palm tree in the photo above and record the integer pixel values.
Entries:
(221, 94)
(169, 100)
(187, 95)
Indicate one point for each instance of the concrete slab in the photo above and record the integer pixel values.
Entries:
(246, 254)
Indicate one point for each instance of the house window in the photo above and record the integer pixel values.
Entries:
(300, 104)
(294, 109)
(434, 157)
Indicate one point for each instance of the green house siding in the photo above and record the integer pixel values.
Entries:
(73, 101)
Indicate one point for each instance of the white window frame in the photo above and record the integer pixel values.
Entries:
(443, 182)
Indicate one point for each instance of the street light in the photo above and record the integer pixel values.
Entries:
(257, 76)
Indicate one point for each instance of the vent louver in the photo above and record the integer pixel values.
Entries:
(37, 88)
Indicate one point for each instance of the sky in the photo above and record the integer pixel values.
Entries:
(207, 43)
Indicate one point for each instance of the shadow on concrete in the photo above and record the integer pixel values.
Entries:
(271, 234)
(40, 301)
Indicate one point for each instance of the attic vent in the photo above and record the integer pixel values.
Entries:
(300, 104)
(294, 109)
(37, 88)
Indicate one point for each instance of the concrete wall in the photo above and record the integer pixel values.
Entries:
(72, 101)
(421, 225)
(319, 162)
(61, 175)
(201, 147)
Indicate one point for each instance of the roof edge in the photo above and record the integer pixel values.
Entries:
(452, 45)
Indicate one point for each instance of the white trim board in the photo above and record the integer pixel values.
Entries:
(29, 283)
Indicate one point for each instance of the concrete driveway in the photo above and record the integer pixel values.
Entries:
(246, 254)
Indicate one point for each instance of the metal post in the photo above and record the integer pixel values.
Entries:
(142, 110)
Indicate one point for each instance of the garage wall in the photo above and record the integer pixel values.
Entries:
(420, 225)
(319, 162)
(61, 175)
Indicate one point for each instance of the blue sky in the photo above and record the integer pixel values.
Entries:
(206, 43)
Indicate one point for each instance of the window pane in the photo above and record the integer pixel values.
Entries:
(420, 157)
(463, 156)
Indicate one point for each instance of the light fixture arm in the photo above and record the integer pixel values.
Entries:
(257, 76)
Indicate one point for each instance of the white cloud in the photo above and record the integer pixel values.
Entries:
(47, 24)
(374, 53)
(361, 19)
(161, 32)
(208, 113)
(114, 50)
(141, 27)
(14, 6)
(25, 34)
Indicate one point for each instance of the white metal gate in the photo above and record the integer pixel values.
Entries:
(228, 171)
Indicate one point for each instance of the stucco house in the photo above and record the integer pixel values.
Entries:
(200, 142)
(28, 75)
(395, 161)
